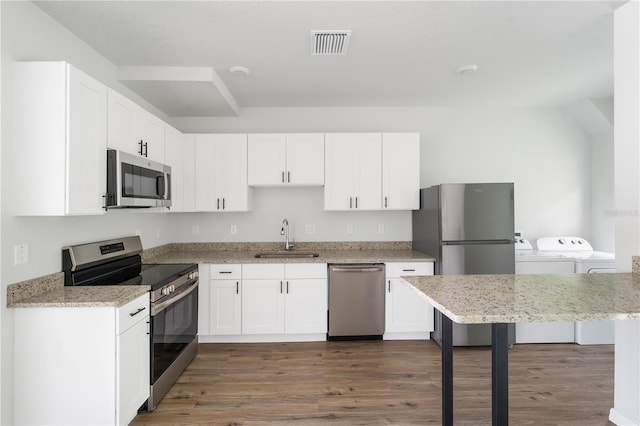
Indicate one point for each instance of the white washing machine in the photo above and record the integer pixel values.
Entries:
(530, 261)
(587, 261)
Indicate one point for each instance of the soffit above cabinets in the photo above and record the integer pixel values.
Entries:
(401, 53)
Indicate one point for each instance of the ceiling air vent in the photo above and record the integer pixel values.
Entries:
(330, 42)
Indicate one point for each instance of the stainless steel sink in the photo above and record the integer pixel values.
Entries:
(285, 255)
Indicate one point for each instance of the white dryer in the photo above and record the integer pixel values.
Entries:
(530, 261)
(587, 261)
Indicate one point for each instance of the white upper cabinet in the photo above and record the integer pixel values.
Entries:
(400, 171)
(60, 140)
(175, 153)
(221, 173)
(372, 171)
(353, 171)
(286, 159)
(134, 130)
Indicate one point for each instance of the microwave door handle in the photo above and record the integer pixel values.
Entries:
(160, 186)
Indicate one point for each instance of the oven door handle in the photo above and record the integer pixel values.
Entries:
(159, 307)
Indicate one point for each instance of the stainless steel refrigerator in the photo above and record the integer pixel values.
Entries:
(469, 229)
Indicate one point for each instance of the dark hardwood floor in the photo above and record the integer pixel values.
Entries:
(384, 383)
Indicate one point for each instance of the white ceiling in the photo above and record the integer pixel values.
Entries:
(177, 54)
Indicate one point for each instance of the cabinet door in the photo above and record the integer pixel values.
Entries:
(405, 310)
(206, 173)
(59, 141)
(133, 371)
(400, 171)
(232, 164)
(306, 306)
(263, 306)
(188, 173)
(150, 130)
(122, 123)
(225, 307)
(340, 160)
(305, 159)
(353, 171)
(266, 159)
(369, 171)
(87, 144)
(174, 151)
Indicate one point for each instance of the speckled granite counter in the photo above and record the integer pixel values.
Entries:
(338, 252)
(83, 297)
(480, 299)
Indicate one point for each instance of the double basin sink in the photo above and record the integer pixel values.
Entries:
(286, 255)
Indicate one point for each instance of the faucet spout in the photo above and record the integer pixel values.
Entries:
(285, 231)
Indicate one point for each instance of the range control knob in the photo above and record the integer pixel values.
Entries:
(562, 241)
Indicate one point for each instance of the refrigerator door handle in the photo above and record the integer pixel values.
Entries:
(479, 242)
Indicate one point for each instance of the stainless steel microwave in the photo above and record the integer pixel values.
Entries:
(134, 181)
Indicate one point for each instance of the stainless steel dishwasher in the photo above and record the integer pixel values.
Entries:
(356, 301)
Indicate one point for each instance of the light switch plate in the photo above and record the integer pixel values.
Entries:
(310, 229)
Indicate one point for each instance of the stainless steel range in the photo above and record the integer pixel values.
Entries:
(174, 301)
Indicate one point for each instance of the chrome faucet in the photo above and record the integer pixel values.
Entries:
(285, 231)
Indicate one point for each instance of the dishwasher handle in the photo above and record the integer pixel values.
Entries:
(358, 268)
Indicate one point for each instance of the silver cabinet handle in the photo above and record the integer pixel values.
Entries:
(356, 202)
(280, 287)
(218, 204)
(223, 207)
(283, 176)
(350, 202)
(287, 287)
(237, 287)
(288, 177)
(389, 281)
(385, 202)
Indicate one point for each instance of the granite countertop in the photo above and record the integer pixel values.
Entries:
(83, 297)
(481, 299)
(245, 253)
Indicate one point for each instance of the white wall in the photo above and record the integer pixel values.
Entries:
(626, 408)
(29, 34)
(543, 151)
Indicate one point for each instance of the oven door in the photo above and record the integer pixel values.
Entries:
(174, 325)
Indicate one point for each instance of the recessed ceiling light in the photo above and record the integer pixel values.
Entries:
(240, 71)
(467, 69)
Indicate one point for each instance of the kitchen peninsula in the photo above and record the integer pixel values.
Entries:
(503, 299)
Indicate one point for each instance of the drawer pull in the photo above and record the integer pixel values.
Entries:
(408, 270)
(133, 314)
(225, 272)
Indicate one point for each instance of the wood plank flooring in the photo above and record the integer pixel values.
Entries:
(384, 383)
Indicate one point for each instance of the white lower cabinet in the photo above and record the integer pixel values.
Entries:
(80, 366)
(407, 314)
(263, 302)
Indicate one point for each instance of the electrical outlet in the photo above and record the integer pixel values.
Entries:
(381, 228)
(349, 229)
(21, 254)
(195, 229)
(234, 230)
(310, 229)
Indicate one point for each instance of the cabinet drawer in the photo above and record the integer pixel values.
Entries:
(225, 272)
(132, 313)
(305, 270)
(394, 270)
(263, 271)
